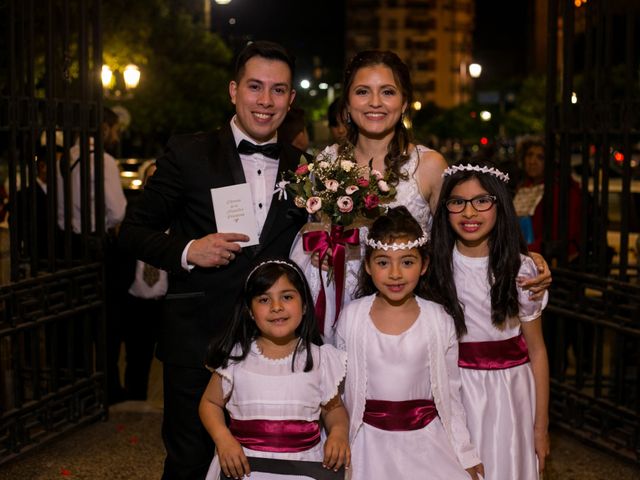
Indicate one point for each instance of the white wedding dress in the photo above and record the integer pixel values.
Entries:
(407, 194)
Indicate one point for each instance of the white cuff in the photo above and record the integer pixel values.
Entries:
(183, 259)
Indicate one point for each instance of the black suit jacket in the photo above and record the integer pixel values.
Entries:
(178, 198)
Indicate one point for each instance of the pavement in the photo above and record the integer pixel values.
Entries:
(128, 446)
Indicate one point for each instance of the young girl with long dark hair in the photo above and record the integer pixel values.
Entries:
(403, 384)
(478, 258)
(275, 379)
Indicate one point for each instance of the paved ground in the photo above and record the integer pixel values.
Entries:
(128, 447)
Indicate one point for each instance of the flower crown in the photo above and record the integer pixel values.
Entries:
(268, 262)
(378, 245)
(476, 168)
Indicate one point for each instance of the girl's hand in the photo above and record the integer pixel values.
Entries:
(543, 448)
(336, 452)
(540, 284)
(477, 472)
(233, 461)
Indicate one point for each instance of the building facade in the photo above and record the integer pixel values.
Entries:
(434, 38)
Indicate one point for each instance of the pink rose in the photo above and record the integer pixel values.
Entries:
(345, 204)
(302, 169)
(362, 182)
(383, 186)
(378, 175)
(351, 189)
(314, 204)
(371, 201)
(332, 185)
(299, 202)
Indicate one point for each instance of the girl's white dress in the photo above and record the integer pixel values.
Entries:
(500, 404)
(265, 389)
(407, 194)
(421, 363)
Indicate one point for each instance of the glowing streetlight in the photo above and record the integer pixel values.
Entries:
(131, 76)
(574, 97)
(485, 115)
(223, 2)
(305, 83)
(323, 86)
(416, 105)
(106, 75)
(475, 69)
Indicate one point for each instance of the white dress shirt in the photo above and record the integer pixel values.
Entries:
(260, 173)
(115, 202)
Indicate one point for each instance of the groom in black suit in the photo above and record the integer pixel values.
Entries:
(173, 228)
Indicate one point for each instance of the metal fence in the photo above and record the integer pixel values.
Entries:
(52, 334)
(592, 324)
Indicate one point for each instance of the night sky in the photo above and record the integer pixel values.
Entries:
(316, 28)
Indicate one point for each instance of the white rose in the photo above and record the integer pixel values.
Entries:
(347, 165)
(351, 189)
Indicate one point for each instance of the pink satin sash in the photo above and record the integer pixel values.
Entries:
(496, 355)
(276, 435)
(399, 416)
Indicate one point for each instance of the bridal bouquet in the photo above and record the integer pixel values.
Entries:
(335, 189)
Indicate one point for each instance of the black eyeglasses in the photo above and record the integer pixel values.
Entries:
(481, 203)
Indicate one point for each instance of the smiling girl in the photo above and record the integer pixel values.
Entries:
(274, 379)
(479, 254)
(403, 384)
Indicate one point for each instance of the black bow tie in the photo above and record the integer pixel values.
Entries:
(271, 150)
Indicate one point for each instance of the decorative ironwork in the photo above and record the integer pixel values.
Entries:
(592, 323)
(52, 330)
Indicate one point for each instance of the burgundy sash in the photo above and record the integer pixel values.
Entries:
(496, 355)
(320, 242)
(276, 435)
(399, 416)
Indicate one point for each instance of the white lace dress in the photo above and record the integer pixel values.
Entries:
(500, 404)
(265, 389)
(407, 194)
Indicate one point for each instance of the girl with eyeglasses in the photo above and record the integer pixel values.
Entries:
(478, 261)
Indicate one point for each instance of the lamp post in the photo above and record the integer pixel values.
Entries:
(475, 70)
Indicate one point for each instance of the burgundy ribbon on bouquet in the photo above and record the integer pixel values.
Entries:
(320, 242)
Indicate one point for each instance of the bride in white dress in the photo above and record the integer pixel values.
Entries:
(378, 92)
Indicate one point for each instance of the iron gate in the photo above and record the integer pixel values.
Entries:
(593, 133)
(51, 295)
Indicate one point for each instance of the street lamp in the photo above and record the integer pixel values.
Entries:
(112, 80)
(305, 83)
(475, 69)
(131, 76)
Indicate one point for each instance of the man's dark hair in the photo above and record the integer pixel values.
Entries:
(264, 49)
(109, 117)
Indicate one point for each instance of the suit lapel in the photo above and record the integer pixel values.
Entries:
(289, 160)
(230, 151)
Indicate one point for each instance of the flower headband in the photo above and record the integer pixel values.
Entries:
(378, 245)
(269, 262)
(476, 168)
